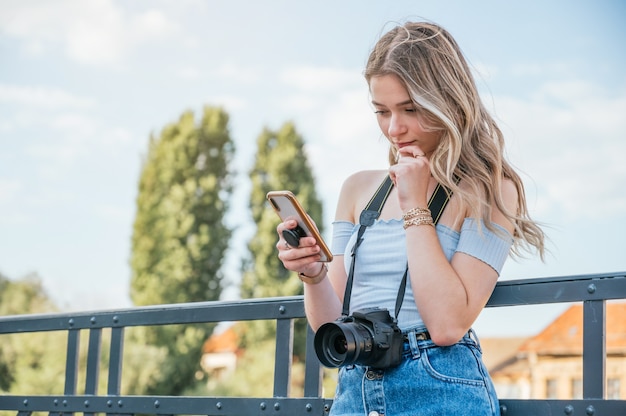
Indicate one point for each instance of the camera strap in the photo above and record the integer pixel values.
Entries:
(436, 204)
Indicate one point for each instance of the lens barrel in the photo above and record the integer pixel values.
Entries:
(343, 343)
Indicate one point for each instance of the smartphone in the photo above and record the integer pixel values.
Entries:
(287, 207)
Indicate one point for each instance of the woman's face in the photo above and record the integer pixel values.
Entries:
(398, 117)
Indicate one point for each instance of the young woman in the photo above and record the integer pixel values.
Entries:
(428, 108)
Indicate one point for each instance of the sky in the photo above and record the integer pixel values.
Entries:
(84, 84)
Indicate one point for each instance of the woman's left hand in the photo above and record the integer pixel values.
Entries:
(411, 177)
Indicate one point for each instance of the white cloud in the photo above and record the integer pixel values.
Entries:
(541, 69)
(321, 79)
(569, 138)
(11, 192)
(70, 137)
(44, 97)
(97, 32)
(235, 72)
(116, 136)
(483, 72)
(190, 73)
(113, 213)
(74, 125)
(231, 103)
(153, 24)
(8, 189)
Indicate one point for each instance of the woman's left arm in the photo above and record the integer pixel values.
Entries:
(451, 294)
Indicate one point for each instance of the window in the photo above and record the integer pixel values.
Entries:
(613, 388)
(551, 390)
(577, 388)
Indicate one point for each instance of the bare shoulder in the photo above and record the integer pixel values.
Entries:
(357, 189)
(510, 200)
(509, 195)
(364, 178)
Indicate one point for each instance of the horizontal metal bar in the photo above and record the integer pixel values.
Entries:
(181, 313)
(168, 405)
(540, 280)
(559, 290)
(507, 293)
(596, 407)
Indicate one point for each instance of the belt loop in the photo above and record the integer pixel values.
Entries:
(472, 335)
(415, 351)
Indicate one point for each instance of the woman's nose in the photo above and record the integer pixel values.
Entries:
(396, 126)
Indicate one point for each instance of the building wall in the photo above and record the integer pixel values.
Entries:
(554, 377)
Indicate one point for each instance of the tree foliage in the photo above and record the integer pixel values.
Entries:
(180, 236)
(29, 362)
(281, 164)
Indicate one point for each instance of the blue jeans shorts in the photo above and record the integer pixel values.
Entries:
(430, 380)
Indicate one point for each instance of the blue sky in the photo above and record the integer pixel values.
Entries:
(83, 84)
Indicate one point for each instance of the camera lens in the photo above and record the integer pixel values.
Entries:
(339, 344)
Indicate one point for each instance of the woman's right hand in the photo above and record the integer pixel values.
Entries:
(303, 259)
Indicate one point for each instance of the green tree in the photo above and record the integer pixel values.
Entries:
(29, 362)
(281, 164)
(180, 237)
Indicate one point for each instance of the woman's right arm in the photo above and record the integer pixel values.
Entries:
(322, 300)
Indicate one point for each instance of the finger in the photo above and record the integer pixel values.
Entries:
(392, 174)
(411, 151)
(288, 224)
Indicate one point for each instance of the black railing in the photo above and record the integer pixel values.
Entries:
(592, 290)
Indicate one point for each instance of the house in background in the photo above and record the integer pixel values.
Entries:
(220, 353)
(549, 365)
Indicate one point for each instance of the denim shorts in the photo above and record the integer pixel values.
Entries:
(430, 380)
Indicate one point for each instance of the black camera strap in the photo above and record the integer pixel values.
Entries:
(436, 204)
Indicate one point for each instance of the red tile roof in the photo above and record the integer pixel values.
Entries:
(564, 335)
(224, 341)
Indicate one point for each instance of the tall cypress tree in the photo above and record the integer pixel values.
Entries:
(281, 164)
(179, 236)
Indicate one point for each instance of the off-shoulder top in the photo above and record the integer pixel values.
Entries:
(381, 260)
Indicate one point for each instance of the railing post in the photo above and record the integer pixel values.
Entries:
(284, 353)
(93, 361)
(71, 363)
(115, 361)
(594, 348)
(313, 370)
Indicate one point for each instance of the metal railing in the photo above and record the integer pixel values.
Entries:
(593, 290)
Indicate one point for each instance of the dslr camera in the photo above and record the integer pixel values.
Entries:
(369, 337)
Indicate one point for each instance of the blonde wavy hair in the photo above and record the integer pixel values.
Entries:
(427, 59)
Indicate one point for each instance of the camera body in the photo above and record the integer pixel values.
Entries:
(369, 337)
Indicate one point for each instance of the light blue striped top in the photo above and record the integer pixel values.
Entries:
(381, 260)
